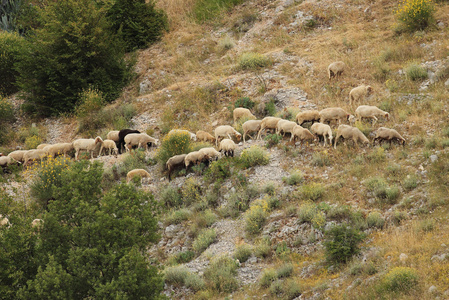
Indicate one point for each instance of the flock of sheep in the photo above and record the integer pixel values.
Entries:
(319, 129)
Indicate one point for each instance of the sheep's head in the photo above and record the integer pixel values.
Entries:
(369, 89)
(351, 119)
(98, 140)
(387, 116)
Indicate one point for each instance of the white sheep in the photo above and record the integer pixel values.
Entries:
(139, 140)
(367, 111)
(335, 69)
(6, 161)
(349, 132)
(173, 162)
(32, 155)
(109, 145)
(228, 147)
(225, 131)
(42, 146)
(113, 135)
(60, 148)
(37, 223)
(285, 126)
(241, 112)
(193, 136)
(359, 93)
(4, 221)
(268, 123)
(18, 155)
(250, 126)
(88, 145)
(322, 130)
(210, 152)
(333, 113)
(195, 157)
(302, 134)
(388, 134)
(307, 116)
(137, 172)
(204, 136)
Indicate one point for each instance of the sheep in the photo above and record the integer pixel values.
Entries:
(113, 135)
(307, 116)
(367, 111)
(137, 172)
(6, 161)
(210, 152)
(4, 221)
(86, 144)
(285, 126)
(227, 146)
(18, 155)
(121, 138)
(225, 131)
(193, 136)
(204, 136)
(60, 148)
(302, 134)
(359, 93)
(109, 145)
(173, 162)
(241, 112)
(32, 155)
(322, 130)
(194, 157)
(42, 146)
(333, 113)
(349, 132)
(250, 126)
(37, 223)
(335, 69)
(139, 140)
(388, 134)
(268, 123)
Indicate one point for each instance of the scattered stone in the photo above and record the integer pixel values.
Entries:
(433, 290)
(403, 257)
(433, 158)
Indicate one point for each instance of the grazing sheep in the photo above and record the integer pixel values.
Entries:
(204, 136)
(322, 130)
(335, 69)
(195, 157)
(241, 112)
(86, 144)
(42, 146)
(121, 138)
(367, 111)
(174, 162)
(285, 126)
(333, 113)
(32, 155)
(388, 134)
(227, 146)
(349, 132)
(210, 152)
(250, 126)
(268, 123)
(4, 221)
(193, 136)
(137, 172)
(60, 148)
(359, 93)
(113, 135)
(302, 134)
(225, 131)
(18, 155)
(307, 116)
(37, 223)
(6, 161)
(139, 140)
(109, 145)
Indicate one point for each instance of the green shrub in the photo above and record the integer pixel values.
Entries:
(292, 289)
(270, 188)
(202, 220)
(313, 191)
(178, 216)
(191, 191)
(204, 239)
(176, 275)
(194, 282)
(130, 161)
(220, 169)
(171, 197)
(220, 275)
(244, 102)
(270, 108)
(268, 276)
(272, 139)
(182, 257)
(254, 156)
(415, 15)
(382, 191)
(401, 279)
(242, 252)
(239, 200)
(427, 225)
(253, 61)
(13, 47)
(341, 243)
(321, 159)
(415, 72)
(339, 212)
(177, 142)
(375, 219)
(262, 248)
(256, 216)
(90, 103)
(295, 178)
(309, 212)
(284, 271)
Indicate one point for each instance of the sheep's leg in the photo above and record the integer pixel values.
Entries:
(244, 135)
(259, 133)
(336, 140)
(374, 120)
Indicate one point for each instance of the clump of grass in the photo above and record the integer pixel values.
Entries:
(312, 191)
(204, 239)
(171, 197)
(245, 102)
(309, 212)
(410, 182)
(254, 156)
(342, 243)
(242, 252)
(268, 276)
(272, 139)
(295, 178)
(220, 275)
(415, 72)
(375, 219)
(256, 216)
(226, 43)
(253, 61)
(382, 191)
(178, 216)
(321, 159)
(401, 279)
(181, 276)
(262, 248)
(181, 257)
(284, 271)
(191, 192)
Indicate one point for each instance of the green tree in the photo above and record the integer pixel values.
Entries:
(72, 51)
(138, 23)
(342, 242)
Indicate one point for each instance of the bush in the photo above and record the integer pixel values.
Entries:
(295, 178)
(6, 116)
(410, 182)
(284, 271)
(244, 102)
(270, 108)
(242, 252)
(253, 61)
(220, 275)
(176, 275)
(272, 139)
(13, 47)
(191, 192)
(262, 248)
(202, 220)
(268, 276)
(204, 239)
(415, 15)
(220, 169)
(313, 191)
(341, 243)
(254, 156)
(130, 161)
(415, 72)
(256, 216)
(171, 197)
(178, 216)
(309, 212)
(320, 159)
(182, 257)
(177, 142)
(138, 23)
(401, 279)
(375, 219)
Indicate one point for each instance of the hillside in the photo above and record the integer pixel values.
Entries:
(275, 216)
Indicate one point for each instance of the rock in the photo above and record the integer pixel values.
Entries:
(446, 83)
(171, 230)
(440, 24)
(437, 257)
(145, 86)
(433, 289)
(403, 257)
(433, 158)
